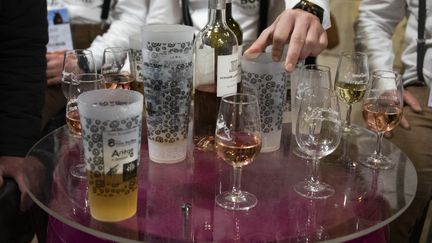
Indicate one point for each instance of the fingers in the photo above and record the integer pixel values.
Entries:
(53, 81)
(296, 44)
(404, 123)
(412, 101)
(1, 176)
(283, 29)
(261, 43)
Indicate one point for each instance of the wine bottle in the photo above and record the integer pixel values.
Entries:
(216, 72)
(234, 26)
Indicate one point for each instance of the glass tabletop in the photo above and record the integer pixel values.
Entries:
(177, 202)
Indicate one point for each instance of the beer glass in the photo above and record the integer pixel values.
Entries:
(267, 80)
(168, 77)
(111, 132)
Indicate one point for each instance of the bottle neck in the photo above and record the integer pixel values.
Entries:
(228, 8)
(217, 12)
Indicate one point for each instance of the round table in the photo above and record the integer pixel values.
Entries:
(176, 202)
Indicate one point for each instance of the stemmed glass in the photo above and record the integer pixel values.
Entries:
(238, 141)
(318, 133)
(351, 81)
(79, 84)
(382, 111)
(311, 76)
(116, 67)
(75, 62)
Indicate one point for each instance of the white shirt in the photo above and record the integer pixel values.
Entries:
(129, 17)
(375, 26)
(85, 11)
(246, 13)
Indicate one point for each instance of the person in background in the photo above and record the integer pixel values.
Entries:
(89, 20)
(24, 29)
(300, 23)
(374, 28)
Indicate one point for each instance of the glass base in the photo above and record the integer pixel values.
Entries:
(299, 153)
(314, 191)
(312, 234)
(379, 162)
(79, 171)
(242, 201)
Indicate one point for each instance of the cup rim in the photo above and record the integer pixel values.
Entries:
(98, 78)
(167, 28)
(251, 98)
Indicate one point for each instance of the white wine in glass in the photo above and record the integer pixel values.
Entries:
(238, 141)
(352, 77)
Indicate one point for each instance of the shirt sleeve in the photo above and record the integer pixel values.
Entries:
(322, 3)
(128, 17)
(374, 28)
(22, 73)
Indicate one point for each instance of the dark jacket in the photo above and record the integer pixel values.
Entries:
(23, 37)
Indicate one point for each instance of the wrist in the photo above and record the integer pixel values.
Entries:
(311, 8)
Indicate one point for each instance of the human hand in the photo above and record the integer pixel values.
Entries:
(413, 103)
(54, 67)
(27, 174)
(302, 30)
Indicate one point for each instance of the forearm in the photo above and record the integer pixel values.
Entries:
(374, 28)
(128, 17)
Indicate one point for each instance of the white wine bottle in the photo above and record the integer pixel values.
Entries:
(233, 25)
(216, 72)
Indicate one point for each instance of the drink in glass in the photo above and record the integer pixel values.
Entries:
(238, 141)
(352, 77)
(382, 111)
(111, 131)
(116, 68)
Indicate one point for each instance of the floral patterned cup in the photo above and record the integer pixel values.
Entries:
(267, 80)
(111, 132)
(168, 72)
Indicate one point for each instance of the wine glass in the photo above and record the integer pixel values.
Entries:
(238, 141)
(79, 84)
(382, 111)
(311, 76)
(75, 62)
(318, 133)
(116, 67)
(352, 77)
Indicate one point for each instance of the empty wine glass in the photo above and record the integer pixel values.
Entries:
(318, 133)
(238, 141)
(352, 77)
(116, 67)
(75, 62)
(382, 111)
(79, 84)
(311, 76)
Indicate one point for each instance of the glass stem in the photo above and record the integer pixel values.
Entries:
(237, 180)
(314, 172)
(348, 116)
(378, 143)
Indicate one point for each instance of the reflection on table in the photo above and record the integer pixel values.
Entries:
(176, 202)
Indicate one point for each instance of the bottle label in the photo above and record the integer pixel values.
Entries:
(121, 152)
(227, 74)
